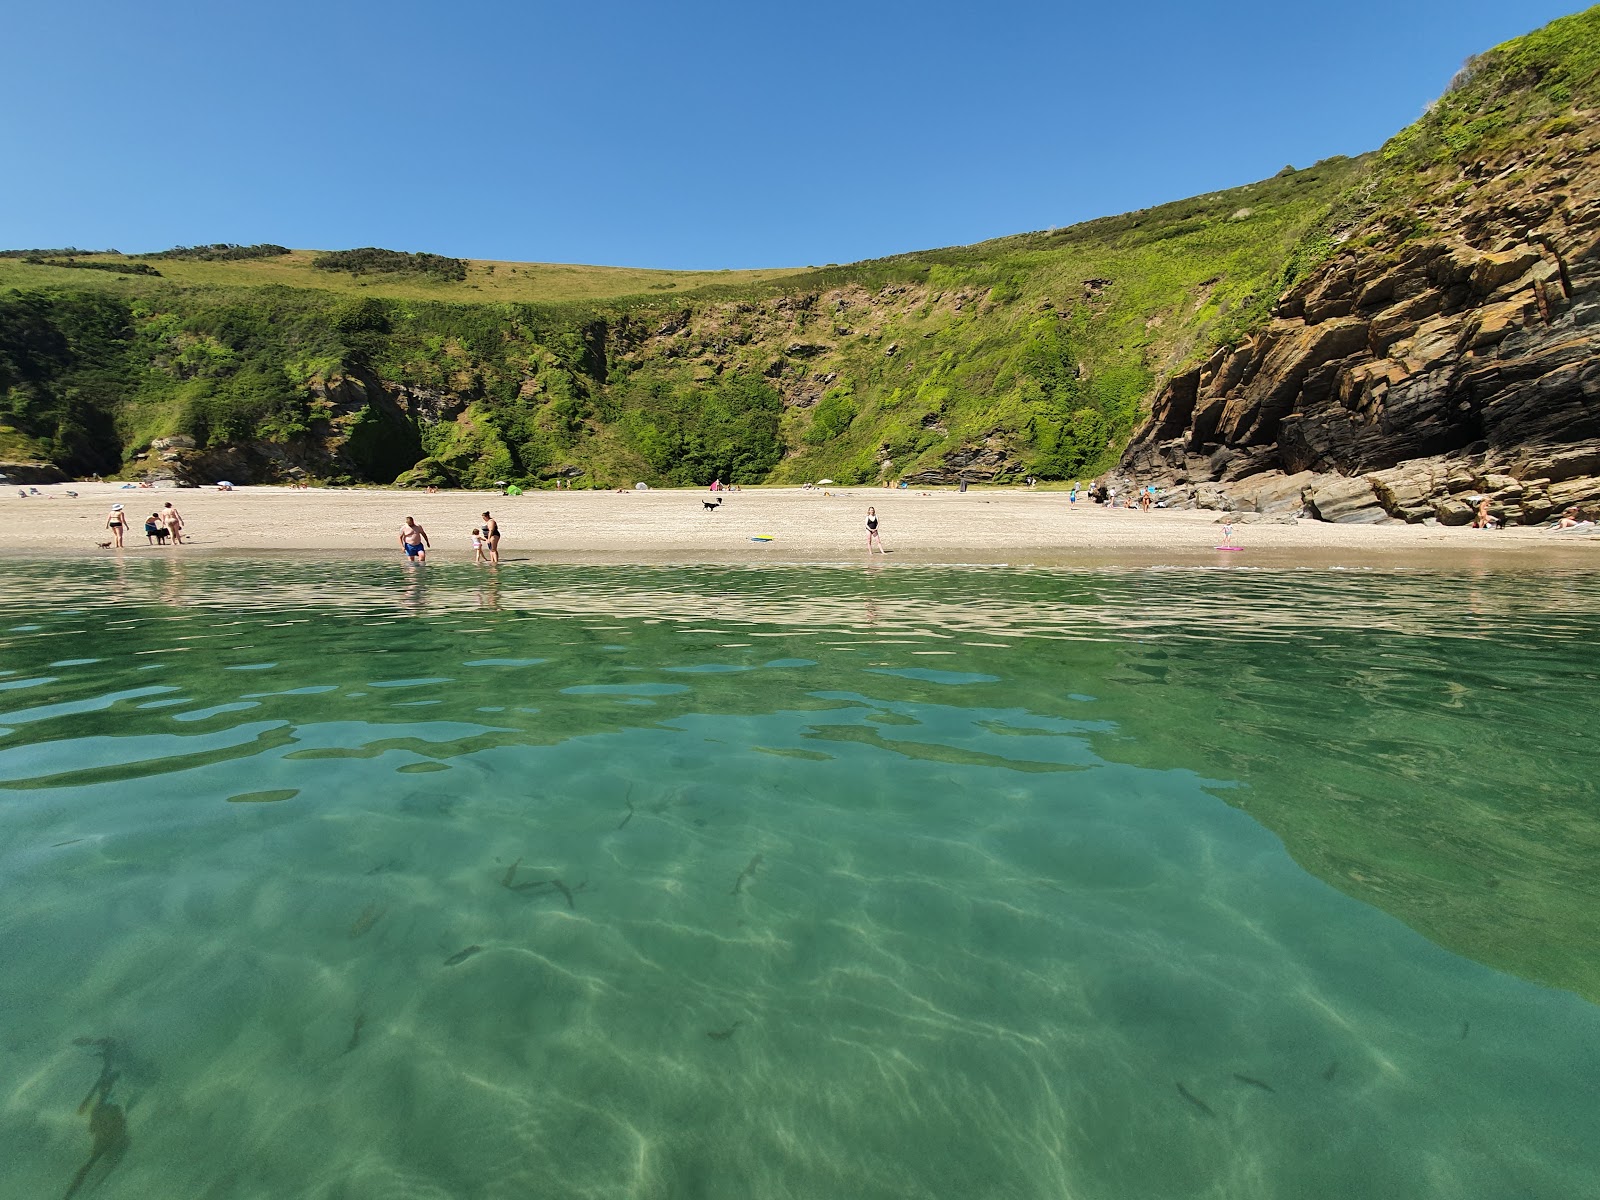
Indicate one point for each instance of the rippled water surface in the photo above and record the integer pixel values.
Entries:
(350, 881)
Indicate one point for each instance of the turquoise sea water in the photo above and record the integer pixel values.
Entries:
(805, 882)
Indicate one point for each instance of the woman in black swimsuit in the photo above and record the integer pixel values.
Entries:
(491, 537)
(872, 532)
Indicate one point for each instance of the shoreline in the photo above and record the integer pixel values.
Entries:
(981, 528)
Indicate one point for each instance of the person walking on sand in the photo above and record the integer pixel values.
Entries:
(872, 532)
(174, 522)
(491, 538)
(414, 541)
(117, 522)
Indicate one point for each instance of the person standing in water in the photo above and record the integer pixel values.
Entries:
(872, 532)
(491, 538)
(414, 541)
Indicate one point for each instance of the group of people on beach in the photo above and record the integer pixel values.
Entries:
(160, 527)
(1143, 498)
(485, 541)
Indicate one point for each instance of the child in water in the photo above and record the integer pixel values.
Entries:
(477, 546)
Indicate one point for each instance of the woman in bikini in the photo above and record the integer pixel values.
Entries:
(872, 532)
(117, 522)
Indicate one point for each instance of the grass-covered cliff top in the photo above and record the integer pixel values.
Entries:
(485, 282)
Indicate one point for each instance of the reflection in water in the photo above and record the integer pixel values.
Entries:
(821, 882)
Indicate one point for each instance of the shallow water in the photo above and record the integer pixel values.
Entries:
(891, 883)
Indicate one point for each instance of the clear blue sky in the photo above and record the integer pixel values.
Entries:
(691, 134)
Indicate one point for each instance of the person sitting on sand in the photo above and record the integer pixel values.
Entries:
(414, 541)
(1572, 520)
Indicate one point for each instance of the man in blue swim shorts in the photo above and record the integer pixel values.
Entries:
(414, 541)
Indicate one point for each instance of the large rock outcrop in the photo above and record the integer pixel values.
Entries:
(1409, 375)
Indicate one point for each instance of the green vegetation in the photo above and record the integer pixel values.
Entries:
(491, 282)
(119, 268)
(66, 252)
(370, 260)
(1002, 345)
(1499, 94)
(222, 252)
(1520, 94)
(1032, 354)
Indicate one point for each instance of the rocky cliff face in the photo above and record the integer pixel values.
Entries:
(364, 430)
(1411, 374)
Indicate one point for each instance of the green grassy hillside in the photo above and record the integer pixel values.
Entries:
(1034, 350)
(486, 282)
(1031, 354)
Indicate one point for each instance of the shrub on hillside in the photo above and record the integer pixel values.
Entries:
(222, 252)
(370, 260)
(117, 268)
(64, 252)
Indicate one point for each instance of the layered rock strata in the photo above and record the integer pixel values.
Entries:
(1408, 378)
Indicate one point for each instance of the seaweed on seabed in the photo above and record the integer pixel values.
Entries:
(370, 916)
(748, 873)
(539, 885)
(1194, 1100)
(108, 1127)
(1254, 1082)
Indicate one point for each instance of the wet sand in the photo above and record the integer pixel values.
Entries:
(937, 527)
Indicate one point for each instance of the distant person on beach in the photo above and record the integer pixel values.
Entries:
(872, 532)
(153, 531)
(117, 522)
(1571, 519)
(173, 521)
(491, 537)
(477, 547)
(1484, 519)
(414, 541)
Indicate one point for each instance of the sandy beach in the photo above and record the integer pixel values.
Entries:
(983, 526)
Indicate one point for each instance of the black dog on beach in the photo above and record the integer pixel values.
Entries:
(712, 505)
